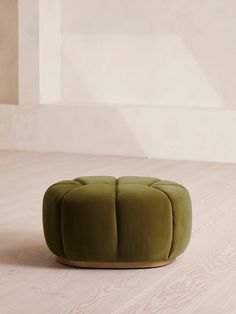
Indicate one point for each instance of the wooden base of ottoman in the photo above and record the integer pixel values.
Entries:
(84, 264)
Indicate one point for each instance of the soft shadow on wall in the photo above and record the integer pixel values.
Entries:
(9, 51)
(162, 53)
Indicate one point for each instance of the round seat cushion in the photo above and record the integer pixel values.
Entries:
(101, 221)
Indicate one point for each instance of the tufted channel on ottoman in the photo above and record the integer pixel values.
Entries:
(104, 222)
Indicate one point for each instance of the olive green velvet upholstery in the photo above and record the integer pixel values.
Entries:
(104, 219)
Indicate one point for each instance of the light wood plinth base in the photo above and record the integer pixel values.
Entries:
(84, 264)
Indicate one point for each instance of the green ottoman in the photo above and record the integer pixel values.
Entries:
(104, 222)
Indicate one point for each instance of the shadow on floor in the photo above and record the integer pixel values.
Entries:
(26, 249)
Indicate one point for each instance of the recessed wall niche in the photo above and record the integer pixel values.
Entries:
(9, 51)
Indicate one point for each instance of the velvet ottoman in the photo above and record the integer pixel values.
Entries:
(104, 222)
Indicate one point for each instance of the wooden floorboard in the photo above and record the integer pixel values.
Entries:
(202, 280)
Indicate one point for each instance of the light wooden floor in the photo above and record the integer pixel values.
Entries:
(202, 280)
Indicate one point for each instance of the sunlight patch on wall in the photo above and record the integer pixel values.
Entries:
(146, 69)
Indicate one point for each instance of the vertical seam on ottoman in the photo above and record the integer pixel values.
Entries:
(61, 207)
(173, 220)
(116, 217)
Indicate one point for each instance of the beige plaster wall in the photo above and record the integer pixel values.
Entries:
(149, 53)
(178, 103)
(9, 51)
